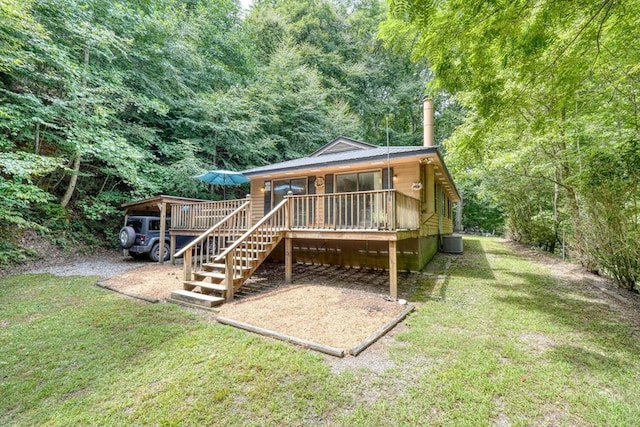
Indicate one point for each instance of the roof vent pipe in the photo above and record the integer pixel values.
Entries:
(428, 122)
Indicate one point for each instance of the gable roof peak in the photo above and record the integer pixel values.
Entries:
(341, 144)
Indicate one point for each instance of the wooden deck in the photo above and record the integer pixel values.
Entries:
(366, 211)
(228, 248)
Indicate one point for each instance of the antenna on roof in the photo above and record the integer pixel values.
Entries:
(386, 118)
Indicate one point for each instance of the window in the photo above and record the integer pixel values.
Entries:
(362, 181)
(282, 187)
(136, 224)
(303, 213)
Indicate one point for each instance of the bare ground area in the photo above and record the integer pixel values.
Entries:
(574, 278)
(323, 299)
(340, 315)
(334, 317)
(153, 281)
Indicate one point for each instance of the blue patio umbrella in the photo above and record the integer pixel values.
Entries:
(223, 177)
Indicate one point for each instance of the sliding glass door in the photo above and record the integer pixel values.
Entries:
(357, 210)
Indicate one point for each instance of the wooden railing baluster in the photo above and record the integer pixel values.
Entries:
(365, 210)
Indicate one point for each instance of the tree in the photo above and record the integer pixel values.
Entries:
(544, 86)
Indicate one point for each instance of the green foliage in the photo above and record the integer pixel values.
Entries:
(17, 204)
(610, 182)
(11, 254)
(549, 93)
(107, 101)
(480, 212)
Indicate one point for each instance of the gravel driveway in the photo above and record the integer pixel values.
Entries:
(105, 265)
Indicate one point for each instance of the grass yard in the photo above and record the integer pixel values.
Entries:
(500, 341)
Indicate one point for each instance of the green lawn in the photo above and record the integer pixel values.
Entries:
(500, 341)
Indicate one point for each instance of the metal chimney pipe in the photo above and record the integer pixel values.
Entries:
(428, 122)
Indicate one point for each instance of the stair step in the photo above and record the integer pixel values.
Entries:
(213, 265)
(221, 266)
(214, 275)
(196, 298)
(248, 258)
(244, 258)
(206, 285)
(256, 245)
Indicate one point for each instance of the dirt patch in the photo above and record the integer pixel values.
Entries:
(153, 281)
(600, 289)
(573, 272)
(539, 343)
(327, 315)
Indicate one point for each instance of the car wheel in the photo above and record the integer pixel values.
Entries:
(155, 252)
(127, 237)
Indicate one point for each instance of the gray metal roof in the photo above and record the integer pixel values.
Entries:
(342, 158)
(354, 143)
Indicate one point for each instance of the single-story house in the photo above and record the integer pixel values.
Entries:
(349, 203)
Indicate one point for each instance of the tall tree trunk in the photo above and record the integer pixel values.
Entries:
(556, 221)
(37, 139)
(72, 182)
(76, 162)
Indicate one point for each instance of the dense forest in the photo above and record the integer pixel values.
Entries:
(551, 133)
(106, 101)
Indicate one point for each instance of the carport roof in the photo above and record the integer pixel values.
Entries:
(153, 203)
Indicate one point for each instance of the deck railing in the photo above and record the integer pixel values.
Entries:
(201, 215)
(407, 212)
(250, 249)
(363, 210)
(214, 240)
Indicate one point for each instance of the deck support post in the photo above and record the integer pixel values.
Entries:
(393, 269)
(288, 260)
(288, 242)
(187, 265)
(163, 229)
(229, 273)
(172, 259)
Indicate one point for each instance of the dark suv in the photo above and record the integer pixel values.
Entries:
(141, 237)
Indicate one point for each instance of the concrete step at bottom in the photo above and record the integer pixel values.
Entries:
(196, 298)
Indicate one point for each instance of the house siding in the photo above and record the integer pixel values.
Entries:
(433, 203)
(407, 174)
(412, 253)
(257, 201)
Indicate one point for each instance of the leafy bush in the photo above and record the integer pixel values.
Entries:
(13, 254)
(611, 234)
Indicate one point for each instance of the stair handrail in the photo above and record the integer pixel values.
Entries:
(206, 233)
(250, 231)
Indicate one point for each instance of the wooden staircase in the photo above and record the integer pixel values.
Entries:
(215, 272)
